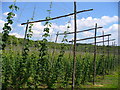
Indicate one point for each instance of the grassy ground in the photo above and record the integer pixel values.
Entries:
(109, 81)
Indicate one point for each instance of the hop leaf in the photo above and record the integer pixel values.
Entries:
(68, 26)
(46, 30)
(11, 6)
(16, 8)
(46, 35)
(10, 21)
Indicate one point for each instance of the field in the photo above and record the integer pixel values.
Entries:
(53, 70)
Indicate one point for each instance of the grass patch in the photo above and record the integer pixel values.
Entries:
(109, 81)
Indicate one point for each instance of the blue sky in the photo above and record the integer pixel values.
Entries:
(104, 13)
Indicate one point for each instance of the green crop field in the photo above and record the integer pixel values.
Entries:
(52, 70)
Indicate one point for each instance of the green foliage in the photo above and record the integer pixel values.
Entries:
(14, 7)
(38, 71)
(7, 28)
(30, 32)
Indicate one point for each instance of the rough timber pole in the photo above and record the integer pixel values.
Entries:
(71, 46)
(54, 49)
(115, 64)
(25, 33)
(94, 62)
(103, 56)
(74, 48)
(113, 51)
(26, 30)
(108, 55)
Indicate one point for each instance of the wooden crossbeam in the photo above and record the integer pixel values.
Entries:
(92, 37)
(58, 16)
(80, 31)
(102, 41)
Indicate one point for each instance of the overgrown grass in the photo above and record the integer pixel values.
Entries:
(109, 81)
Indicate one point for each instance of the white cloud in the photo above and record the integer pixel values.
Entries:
(1, 25)
(5, 13)
(19, 25)
(2, 22)
(38, 29)
(88, 34)
(16, 35)
(90, 22)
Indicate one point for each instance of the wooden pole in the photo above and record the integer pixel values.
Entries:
(94, 62)
(108, 54)
(80, 31)
(58, 16)
(115, 64)
(25, 34)
(102, 41)
(112, 52)
(54, 49)
(26, 30)
(74, 48)
(103, 55)
(56, 36)
(92, 37)
(70, 50)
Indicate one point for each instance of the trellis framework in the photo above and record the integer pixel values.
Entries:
(75, 31)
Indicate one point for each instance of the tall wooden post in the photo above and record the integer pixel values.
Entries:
(115, 64)
(108, 54)
(25, 34)
(94, 62)
(103, 56)
(71, 49)
(56, 36)
(54, 49)
(26, 30)
(74, 48)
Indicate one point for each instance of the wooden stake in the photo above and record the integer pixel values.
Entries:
(25, 34)
(74, 49)
(116, 61)
(54, 49)
(103, 56)
(26, 30)
(94, 62)
(108, 53)
(70, 50)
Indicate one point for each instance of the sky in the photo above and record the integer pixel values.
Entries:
(105, 14)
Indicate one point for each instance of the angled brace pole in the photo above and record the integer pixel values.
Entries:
(92, 37)
(58, 16)
(102, 41)
(80, 31)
